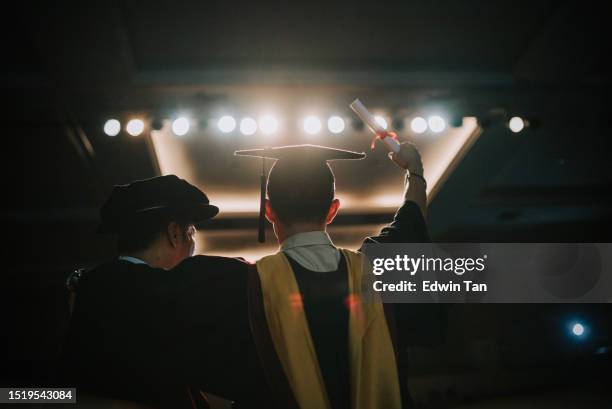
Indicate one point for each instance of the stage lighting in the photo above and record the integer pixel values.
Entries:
(418, 125)
(135, 127)
(578, 329)
(226, 124)
(268, 124)
(516, 124)
(180, 126)
(112, 127)
(248, 126)
(381, 121)
(312, 125)
(335, 124)
(436, 123)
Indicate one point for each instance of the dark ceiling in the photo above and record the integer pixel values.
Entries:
(70, 66)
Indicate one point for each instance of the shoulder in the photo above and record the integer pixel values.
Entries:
(122, 269)
(101, 271)
(114, 266)
(203, 261)
(209, 281)
(212, 269)
(279, 257)
(352, 257)
(413, 207)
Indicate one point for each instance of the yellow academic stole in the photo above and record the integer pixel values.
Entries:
(373, 367)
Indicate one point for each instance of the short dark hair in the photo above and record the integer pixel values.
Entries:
(301, 192)
(142, 233)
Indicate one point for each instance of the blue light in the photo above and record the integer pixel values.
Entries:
(578, 329)
(602, 350)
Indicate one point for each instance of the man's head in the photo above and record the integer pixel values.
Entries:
(165, 242)
(301, 193)
(155, 219)
(300, 187)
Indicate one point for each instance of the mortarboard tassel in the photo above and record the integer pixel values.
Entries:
(261, 233)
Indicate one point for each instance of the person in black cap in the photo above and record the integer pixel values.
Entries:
(154, 220)
(276, 334)
(118, 331)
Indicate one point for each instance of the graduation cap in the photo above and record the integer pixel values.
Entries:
(143, 203)
(300, 168)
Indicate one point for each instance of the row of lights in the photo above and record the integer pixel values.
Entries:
(312, 125)
(135, 127)
(268, 125)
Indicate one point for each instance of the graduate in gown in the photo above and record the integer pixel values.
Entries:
(291, 331)
(117, 337)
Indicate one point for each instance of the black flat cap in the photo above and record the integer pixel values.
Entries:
(150, 200)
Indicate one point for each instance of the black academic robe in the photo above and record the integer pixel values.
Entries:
(119, 344)
(225, 344)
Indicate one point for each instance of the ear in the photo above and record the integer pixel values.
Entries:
(333, 211)
(174, 232)
(270, 214)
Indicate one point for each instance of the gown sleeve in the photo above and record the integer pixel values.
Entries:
(408, 226)
(417, 324)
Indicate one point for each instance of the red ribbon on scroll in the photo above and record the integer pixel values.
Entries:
(382, 135)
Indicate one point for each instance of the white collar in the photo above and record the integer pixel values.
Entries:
(311, 238)
(132, 260)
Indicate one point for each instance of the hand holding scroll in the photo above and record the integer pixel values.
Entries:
(408, 158)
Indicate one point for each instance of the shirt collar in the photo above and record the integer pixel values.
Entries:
(311, 238)
(132, 260)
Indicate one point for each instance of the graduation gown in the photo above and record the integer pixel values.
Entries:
(119, 344)
(150, 335)
(225, 342)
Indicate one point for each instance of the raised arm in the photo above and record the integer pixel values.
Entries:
(409, 225)
(409, 158)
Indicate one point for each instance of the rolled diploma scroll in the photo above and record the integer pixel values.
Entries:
(374, 126)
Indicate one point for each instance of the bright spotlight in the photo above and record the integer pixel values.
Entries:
(180, 126)
(436, 123)
(135, 127)
(381, 121)
(335, 124)
(248, 126)
(578, 329)
(112, 127)
(312, 125)
(516, 124)
(226, 124)
(418, 125)
(268, 124)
